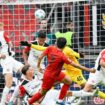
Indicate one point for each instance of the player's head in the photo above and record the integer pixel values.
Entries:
(41, 38)
(61, 42)
(43, 24)
(27, 70)
(1, 26)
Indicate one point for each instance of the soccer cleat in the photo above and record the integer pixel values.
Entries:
(10, 103)
(60, 103)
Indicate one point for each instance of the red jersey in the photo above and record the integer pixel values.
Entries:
(56, 59)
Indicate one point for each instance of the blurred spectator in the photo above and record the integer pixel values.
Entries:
(64, 10)
(66, 31)
(45, 27)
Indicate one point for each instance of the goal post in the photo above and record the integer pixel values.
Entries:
(15, 2)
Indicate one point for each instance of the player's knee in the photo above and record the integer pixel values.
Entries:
(88, 87)
(68, 80)
(8, 80)
(8, 85)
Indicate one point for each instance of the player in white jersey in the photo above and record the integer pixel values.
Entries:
(30, 86)
(30, 55)
(99, 76)
(7, 62)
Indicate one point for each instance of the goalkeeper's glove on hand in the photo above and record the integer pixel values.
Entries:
(25, 43)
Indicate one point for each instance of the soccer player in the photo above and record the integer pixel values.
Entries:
(30, 85)
(30, 55)
(7, 62)
(99, 76)
(96, 78)
(53, 73)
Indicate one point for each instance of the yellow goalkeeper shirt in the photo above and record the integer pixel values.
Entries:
(72, 55)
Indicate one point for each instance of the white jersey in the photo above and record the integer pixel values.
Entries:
(3, 42)
(9, 64)
(99, 76)
(31, 87)
(51, 96)
(101, 56)
(33, 56)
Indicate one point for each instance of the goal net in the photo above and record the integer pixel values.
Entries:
(84, 18)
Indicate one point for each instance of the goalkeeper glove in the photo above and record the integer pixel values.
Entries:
(25, 43)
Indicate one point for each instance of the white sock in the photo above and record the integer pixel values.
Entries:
(4, 95)
(81, 93)
(72, 98)
(15, 94)
(59, 100)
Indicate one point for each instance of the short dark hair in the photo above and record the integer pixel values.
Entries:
(61, 42)
(41, 34)
(25, 69)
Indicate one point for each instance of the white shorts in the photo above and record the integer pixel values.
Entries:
(51, 97)
(9, 64)
(97, 78)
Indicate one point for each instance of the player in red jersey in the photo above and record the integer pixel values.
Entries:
(53, 73)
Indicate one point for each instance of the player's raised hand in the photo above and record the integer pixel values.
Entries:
(25, 43)
(93, 70)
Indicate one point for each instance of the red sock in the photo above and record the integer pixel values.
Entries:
(63, 91)
(35, 97)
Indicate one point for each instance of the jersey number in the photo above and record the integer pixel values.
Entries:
(79, 78)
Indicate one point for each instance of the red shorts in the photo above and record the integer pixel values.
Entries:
(49, 81)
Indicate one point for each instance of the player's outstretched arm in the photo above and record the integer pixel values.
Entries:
(92, 70)
(25, 43)
(37, 47)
